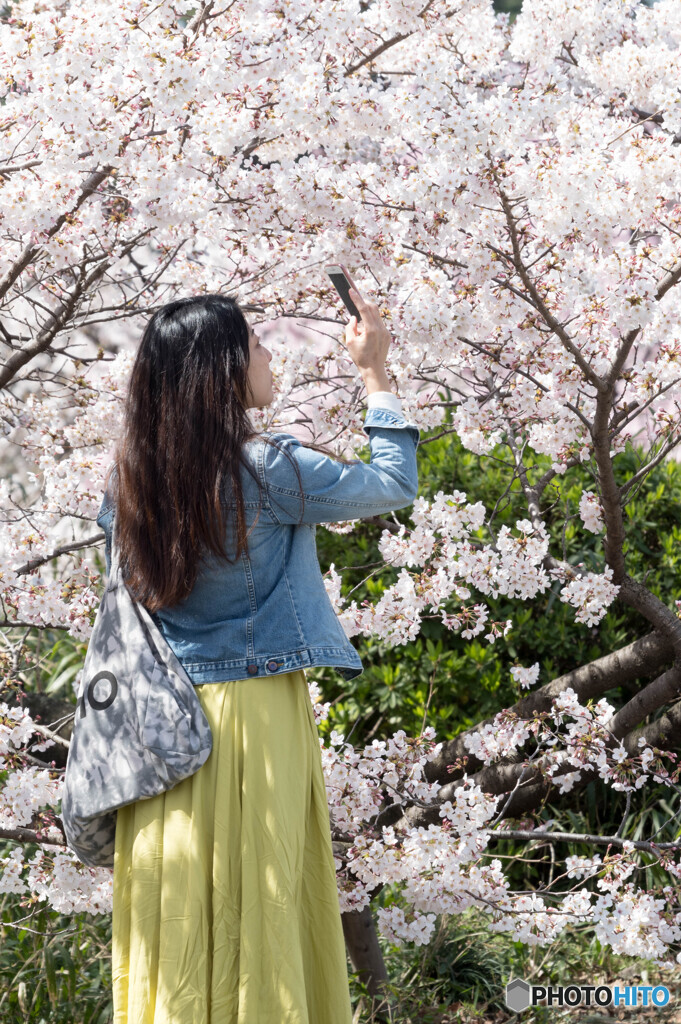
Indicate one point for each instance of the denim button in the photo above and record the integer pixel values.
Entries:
(252, 669)
(272, 666)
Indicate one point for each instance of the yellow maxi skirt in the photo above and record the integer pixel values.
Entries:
(225, 901)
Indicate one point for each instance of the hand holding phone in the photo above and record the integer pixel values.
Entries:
(366, 336)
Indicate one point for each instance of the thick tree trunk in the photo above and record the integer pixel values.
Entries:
(361, 939)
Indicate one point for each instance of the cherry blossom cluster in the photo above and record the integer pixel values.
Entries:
(590, 593)
(526, 677)
(590, 511)
(585, 742)
(356, 780)
(588, 745)
(452, 563)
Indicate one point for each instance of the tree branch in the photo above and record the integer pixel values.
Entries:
(577, 837)
(539, 303)
(91, 185)
(51, 837)
(58, 319)
(35, 563)
(661, 691)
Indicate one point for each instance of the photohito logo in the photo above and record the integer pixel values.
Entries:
(520, 995)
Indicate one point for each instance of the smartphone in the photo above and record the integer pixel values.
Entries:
(343, 286)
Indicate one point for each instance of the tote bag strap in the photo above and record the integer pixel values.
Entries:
(154, 636)
(141, 612)
(115, 558)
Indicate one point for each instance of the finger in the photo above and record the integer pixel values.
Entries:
(357, 299)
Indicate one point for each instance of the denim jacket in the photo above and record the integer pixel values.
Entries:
(269, 612)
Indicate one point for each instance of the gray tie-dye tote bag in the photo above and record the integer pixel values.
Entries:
(139, 727)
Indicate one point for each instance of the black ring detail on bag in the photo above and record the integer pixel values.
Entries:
(102, 705)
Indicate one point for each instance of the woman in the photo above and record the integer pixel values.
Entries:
(225, 901)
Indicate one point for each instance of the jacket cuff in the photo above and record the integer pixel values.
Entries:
(385, 400)
(380, 417)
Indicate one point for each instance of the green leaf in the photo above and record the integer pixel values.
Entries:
(50, 974)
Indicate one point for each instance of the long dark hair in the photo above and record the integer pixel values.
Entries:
(185, 426)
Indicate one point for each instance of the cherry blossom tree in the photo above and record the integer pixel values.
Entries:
(510, 192)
